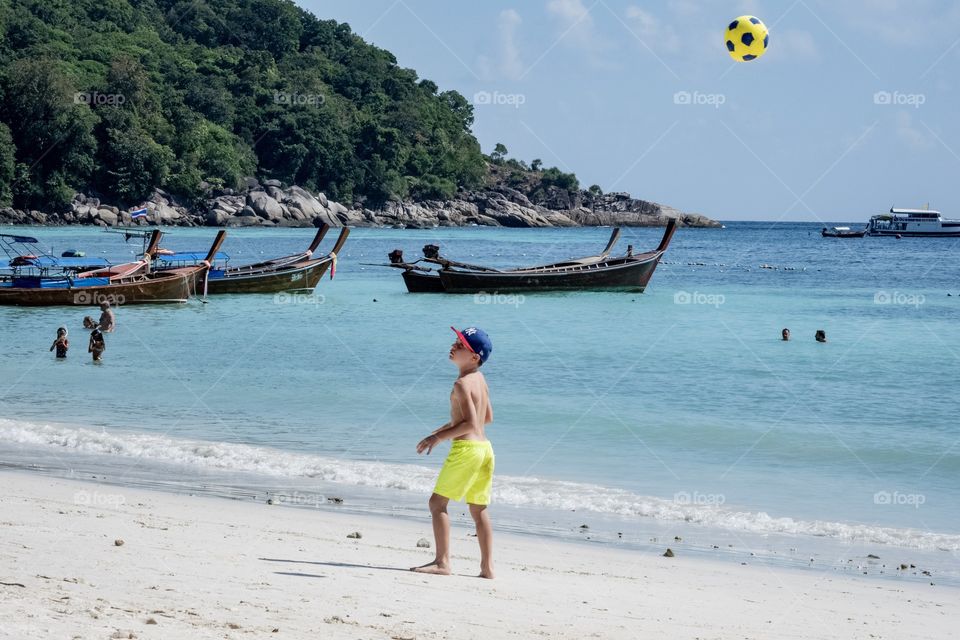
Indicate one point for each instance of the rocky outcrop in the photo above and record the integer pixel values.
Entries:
(270, 204)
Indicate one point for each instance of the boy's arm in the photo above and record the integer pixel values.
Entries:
(451, 430)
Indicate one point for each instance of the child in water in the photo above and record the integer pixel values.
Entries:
(61, 344)
(97, 345)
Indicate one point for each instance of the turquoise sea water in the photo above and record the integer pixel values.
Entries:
(674, 412)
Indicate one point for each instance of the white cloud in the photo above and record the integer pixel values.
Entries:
(652, 31)
(507, 62)
(908, 23)
(510, 62)
(684, 8)
(910, 135)
(575, 20)
(795, 44)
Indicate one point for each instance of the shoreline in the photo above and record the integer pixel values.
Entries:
(138, 460)
(203, 567)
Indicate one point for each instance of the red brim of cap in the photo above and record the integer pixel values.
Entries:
(463, 339)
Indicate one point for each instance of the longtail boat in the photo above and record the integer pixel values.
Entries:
(296, 272)
(629, 272)
(37, 280)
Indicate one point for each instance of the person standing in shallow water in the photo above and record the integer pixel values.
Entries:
(821, 335)
(467, 472)
(97, 345)
(61, 344)
(107, 320)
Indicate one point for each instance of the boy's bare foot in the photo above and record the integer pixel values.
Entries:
(486, 572)
(436, 568)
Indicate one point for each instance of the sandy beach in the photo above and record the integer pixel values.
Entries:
(201, 567)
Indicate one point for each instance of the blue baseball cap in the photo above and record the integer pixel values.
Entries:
(476, 340)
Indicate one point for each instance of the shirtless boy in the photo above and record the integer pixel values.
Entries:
(467, 473)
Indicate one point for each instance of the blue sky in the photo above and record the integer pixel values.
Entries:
(853, 109)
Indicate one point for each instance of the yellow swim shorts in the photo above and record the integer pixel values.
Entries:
(467, 473)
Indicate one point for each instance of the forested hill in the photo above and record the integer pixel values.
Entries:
(117, 97)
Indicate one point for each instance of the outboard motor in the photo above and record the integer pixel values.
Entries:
(396, 256)
(431, 251)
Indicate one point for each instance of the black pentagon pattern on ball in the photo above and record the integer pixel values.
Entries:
(747, 39)
(766, 40)
(749, 56)
(730, 46)
(755, 20)
(733, 25)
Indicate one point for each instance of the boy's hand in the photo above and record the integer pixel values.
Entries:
(427, 444)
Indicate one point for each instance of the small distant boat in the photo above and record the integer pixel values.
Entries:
(297, 272)
(630, 272)
(913, 223)
(38, 279)
(842, 232)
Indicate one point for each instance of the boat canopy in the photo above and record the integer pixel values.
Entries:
(20, 239)
(912, 211)
(50, 262)
(189, 256)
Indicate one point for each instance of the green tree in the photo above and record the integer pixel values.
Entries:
(52, 130)
(7, 166)
(137, 165)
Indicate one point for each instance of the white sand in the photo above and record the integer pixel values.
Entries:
(212, 568)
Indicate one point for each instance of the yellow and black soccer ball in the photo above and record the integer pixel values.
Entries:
(747, 38)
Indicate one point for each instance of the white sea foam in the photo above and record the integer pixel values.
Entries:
(508, 490)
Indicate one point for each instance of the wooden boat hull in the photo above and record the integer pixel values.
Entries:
(302, 276)
(631, 274)
(420, 282)
(165, 287)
